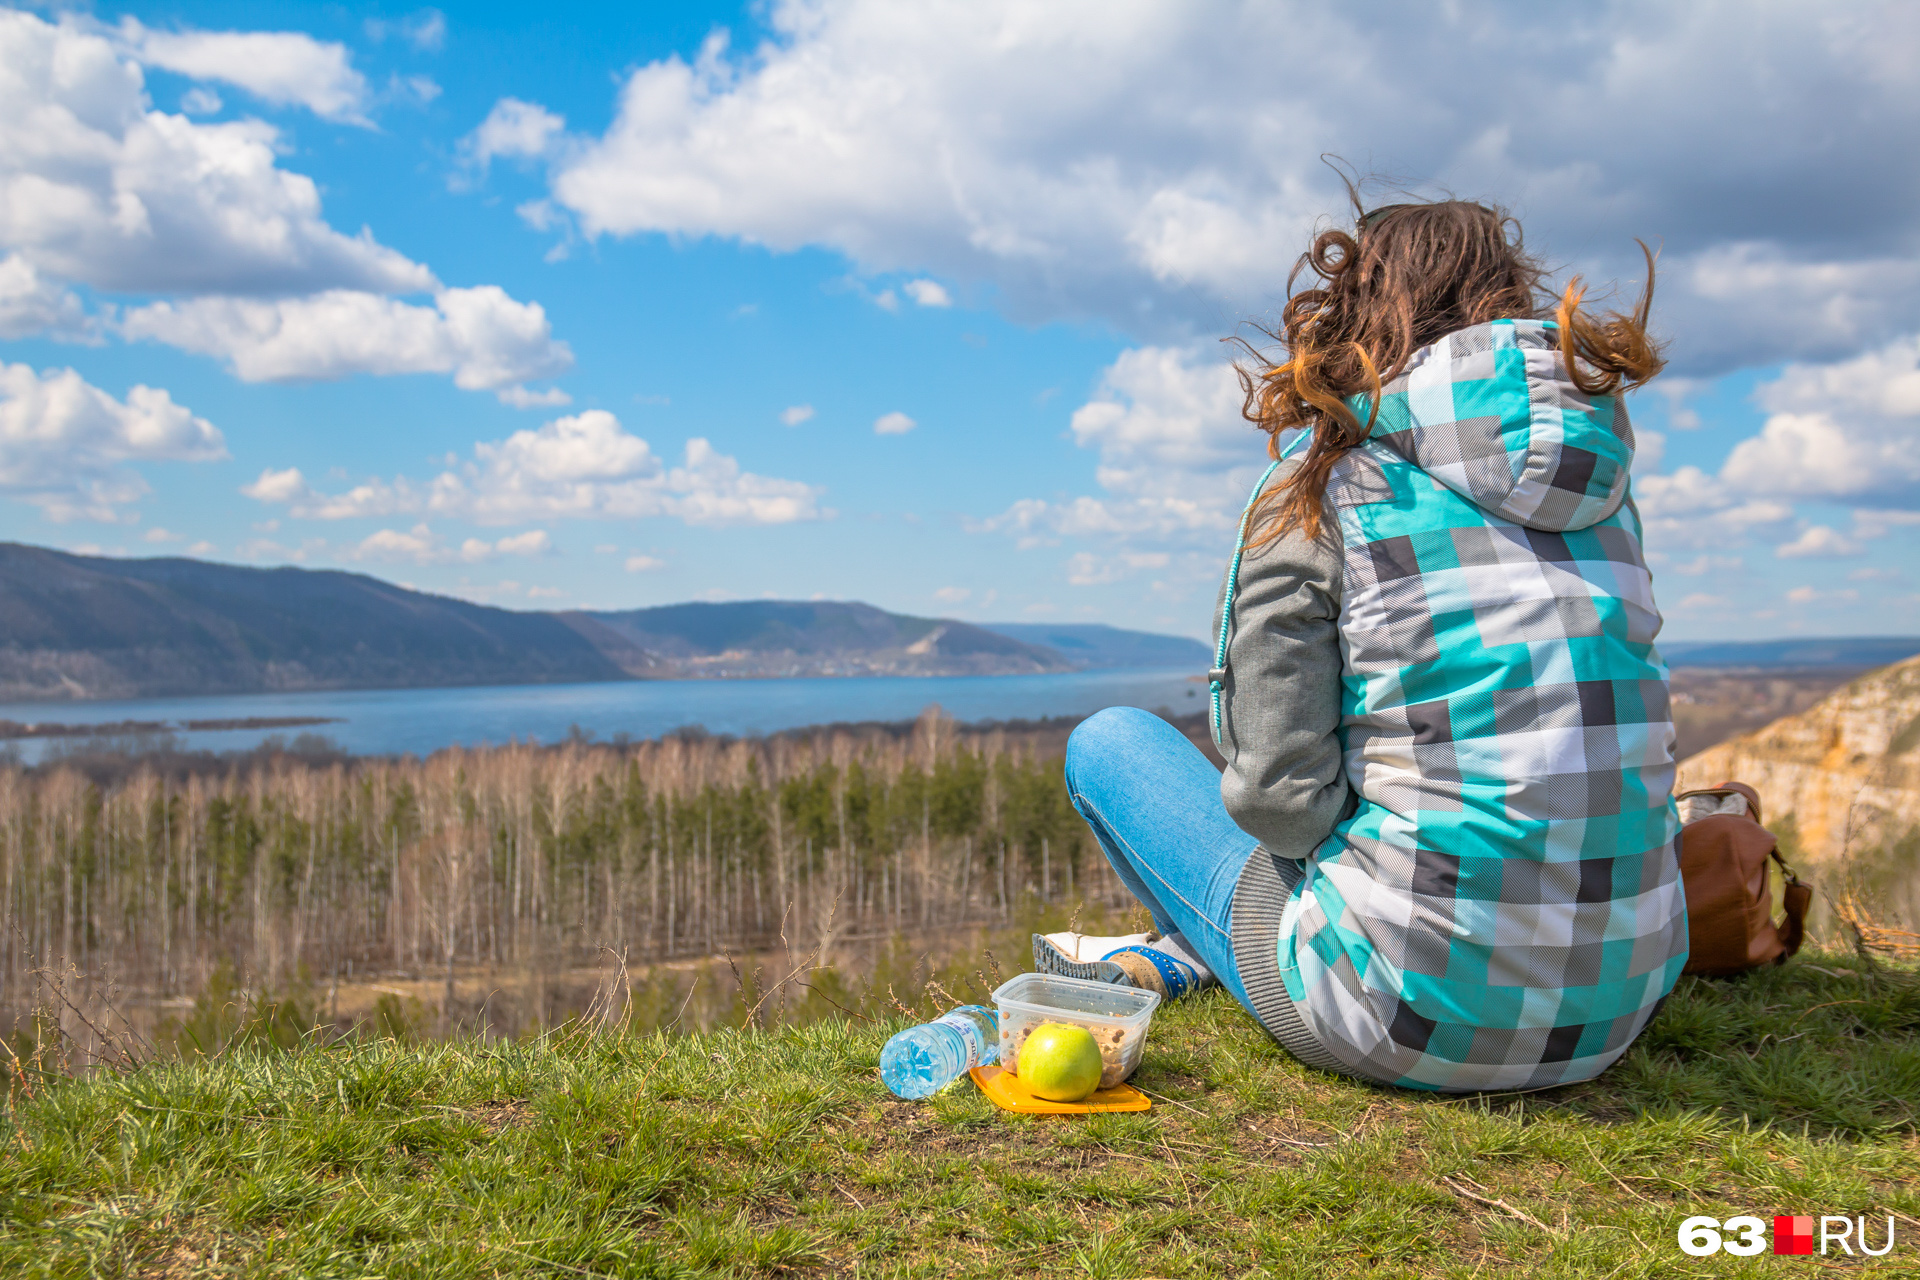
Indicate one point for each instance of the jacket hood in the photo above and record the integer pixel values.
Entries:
(1490, 413)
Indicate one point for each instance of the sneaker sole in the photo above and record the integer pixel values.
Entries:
(1048, 958)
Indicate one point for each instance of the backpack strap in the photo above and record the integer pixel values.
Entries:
(1216, 678)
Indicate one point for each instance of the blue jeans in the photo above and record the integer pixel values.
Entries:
(1153, 801)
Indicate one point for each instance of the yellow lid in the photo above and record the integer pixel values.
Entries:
(1007, 1093)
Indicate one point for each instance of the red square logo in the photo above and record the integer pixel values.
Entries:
(1792, 1233)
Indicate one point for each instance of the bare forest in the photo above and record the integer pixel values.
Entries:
(508, 888)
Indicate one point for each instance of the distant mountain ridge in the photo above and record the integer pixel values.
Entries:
(94, 627)
(803, 638)
(1097, 647)
(91, 627)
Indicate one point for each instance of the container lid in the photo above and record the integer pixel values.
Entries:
(1005, 1091)
(1044, 992)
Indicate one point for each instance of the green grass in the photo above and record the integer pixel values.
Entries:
(750, 1153)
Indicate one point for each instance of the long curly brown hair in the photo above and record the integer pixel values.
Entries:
(1405, 276)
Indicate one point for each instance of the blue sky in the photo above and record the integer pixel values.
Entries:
(918, 305)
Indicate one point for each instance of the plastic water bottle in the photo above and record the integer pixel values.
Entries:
(926, 1059)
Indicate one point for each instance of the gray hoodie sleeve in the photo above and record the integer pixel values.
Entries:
(1285, 782)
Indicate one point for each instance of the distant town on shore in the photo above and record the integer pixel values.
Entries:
(89, 627)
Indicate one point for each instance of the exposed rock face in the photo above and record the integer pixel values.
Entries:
(1848, 770)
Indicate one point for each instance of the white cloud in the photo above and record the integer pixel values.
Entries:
(1649, 451)
(1813, 595)
(200, 101)
(951, 595)
(539, 214)
(514, 129)
(585, 466)
(1176, 458)
(202, 548)
(1850, 429)
(1161, 411)
(1770, 301)
(1691, 509)
(286, 68)
(31, 304)
(587, 448)
(1179, 178)
(928, 293)
(419, 89)
(1702, 565)
(1875, 575)
(893, 424)
(1090, 569)
(644, 564)
(486, 339)
(1676, 391)
(519, 397)
(1868, 523)
(794, 415)
(1846, 431)
(278, 486)
(65, 445)
(375, 498)
(425, 30)
(1818, 542)
(97, 188)
(418, 545)
(421, 545)
(534, 542)
(157, 534)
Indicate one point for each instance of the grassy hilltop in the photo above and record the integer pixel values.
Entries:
(758, 1153)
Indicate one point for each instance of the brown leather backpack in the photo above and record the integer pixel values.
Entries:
(1745, 906)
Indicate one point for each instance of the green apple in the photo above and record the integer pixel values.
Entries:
(1059, 1063)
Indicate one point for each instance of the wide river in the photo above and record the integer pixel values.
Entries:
(394, 721)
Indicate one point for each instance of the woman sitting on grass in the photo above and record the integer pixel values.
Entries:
(1446, 855)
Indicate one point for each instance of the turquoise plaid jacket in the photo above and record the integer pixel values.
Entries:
(1503, 909)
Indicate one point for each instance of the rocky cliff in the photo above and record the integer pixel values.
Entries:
(1847, 770)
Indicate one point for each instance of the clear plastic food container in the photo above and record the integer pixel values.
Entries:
(1117, 1017)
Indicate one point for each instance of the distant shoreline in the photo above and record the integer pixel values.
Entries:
(1711, 702)
(11, 730)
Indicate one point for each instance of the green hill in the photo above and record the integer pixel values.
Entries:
(76, 626)
(91, 627)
